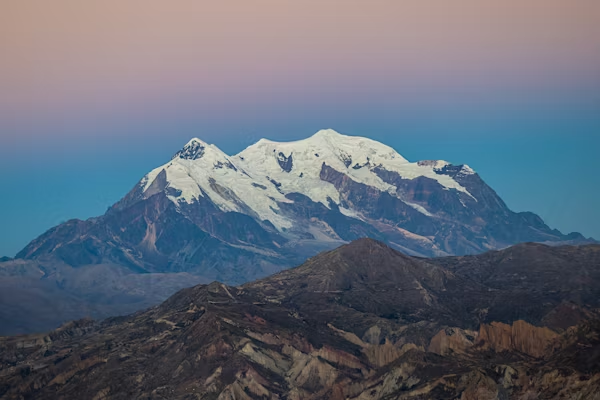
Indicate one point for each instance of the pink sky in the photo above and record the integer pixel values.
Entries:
(66, 57)
(470, 81)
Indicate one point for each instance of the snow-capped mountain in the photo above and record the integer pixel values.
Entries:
(258, 179)
(205, 215)
(238, 217)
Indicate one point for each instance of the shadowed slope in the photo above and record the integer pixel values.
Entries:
(359, 322)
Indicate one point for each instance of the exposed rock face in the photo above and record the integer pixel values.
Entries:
(452, 340)
(192, 151)
(378, 354)
(286, 163)
(520, 336)
(322, 330)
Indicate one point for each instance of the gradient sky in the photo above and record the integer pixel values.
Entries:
(94, 94)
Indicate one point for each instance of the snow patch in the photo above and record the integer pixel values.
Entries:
(419, 208)
(351, 213)
(466, 170)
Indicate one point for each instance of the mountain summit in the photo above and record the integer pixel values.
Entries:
(236, 218)
(277, 199)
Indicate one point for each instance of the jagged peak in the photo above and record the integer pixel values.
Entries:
(195, 141)
(195, 149)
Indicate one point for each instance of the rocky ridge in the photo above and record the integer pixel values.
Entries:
(360, 322)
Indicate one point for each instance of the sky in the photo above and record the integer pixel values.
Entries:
(95, 94)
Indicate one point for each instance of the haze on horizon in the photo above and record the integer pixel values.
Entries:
(95, 94)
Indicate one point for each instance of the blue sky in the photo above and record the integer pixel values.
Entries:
(545, 161)
(95, 94)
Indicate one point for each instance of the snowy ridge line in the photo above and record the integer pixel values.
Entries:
(261, 175)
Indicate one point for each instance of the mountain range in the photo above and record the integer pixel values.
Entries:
(205, 216)
(363, 321)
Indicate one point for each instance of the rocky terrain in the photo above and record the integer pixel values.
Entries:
(205, 216)
(363, 321)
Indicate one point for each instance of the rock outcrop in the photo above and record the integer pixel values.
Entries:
(452, 340)
(520, 336)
